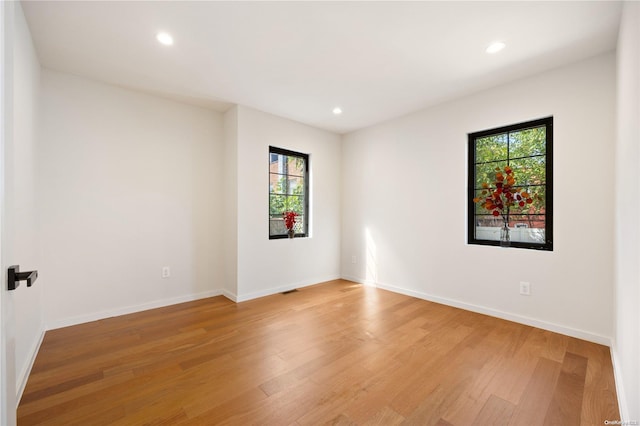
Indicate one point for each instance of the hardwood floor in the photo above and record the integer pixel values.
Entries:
(336, 353)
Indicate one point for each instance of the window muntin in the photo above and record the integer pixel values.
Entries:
(288, 191)
(528, 149)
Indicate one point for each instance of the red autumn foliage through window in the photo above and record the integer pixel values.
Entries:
(504, 196)
(290, 219)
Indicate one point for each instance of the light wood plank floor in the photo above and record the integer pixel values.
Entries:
(336, 353)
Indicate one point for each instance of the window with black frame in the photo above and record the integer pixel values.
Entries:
(510, 188)
(288, 193)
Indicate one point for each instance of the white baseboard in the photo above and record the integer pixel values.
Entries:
(66, 322)
(281, 289)
(231, 296)
(359, 280)
(617, 374)
(23, 376)
(533, 322)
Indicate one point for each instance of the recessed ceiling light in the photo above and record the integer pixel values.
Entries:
(337, 110)
(164, 38)
(495, 47)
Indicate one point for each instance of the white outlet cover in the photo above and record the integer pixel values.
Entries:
(525, 288)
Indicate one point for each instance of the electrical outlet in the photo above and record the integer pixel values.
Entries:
(353, 259)
(166, 272)
(525, 288)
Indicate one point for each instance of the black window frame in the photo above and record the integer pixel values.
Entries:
(305, 158)
(471, 189)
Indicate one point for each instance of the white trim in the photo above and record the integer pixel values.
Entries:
(23, 376)
(533, 322)
(7, 319)
(231, 296)
(281, 289)
(618, 377)
(66, 322)
(359, 281)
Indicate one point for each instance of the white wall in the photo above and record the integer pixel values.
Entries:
(269, 266)
(626, 348)
(404, 204)
(230, 239)
(22, 203)
(129, 183)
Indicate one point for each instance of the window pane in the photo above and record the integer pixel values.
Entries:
(491, 148)
(486, 173)
(276, 183)
(281, 164)
(531, 221)
(299, 226)
(539, 196)
(295, 166)
(276, 162)
(527, 142)
(295, 186)
(527, 228)
(277, 204)
(523, 228)
(487, 227)
(529, 171)
(295, 203)
(479, 209)
(276, 226)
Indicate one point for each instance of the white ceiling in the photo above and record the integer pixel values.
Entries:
(376, 60)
